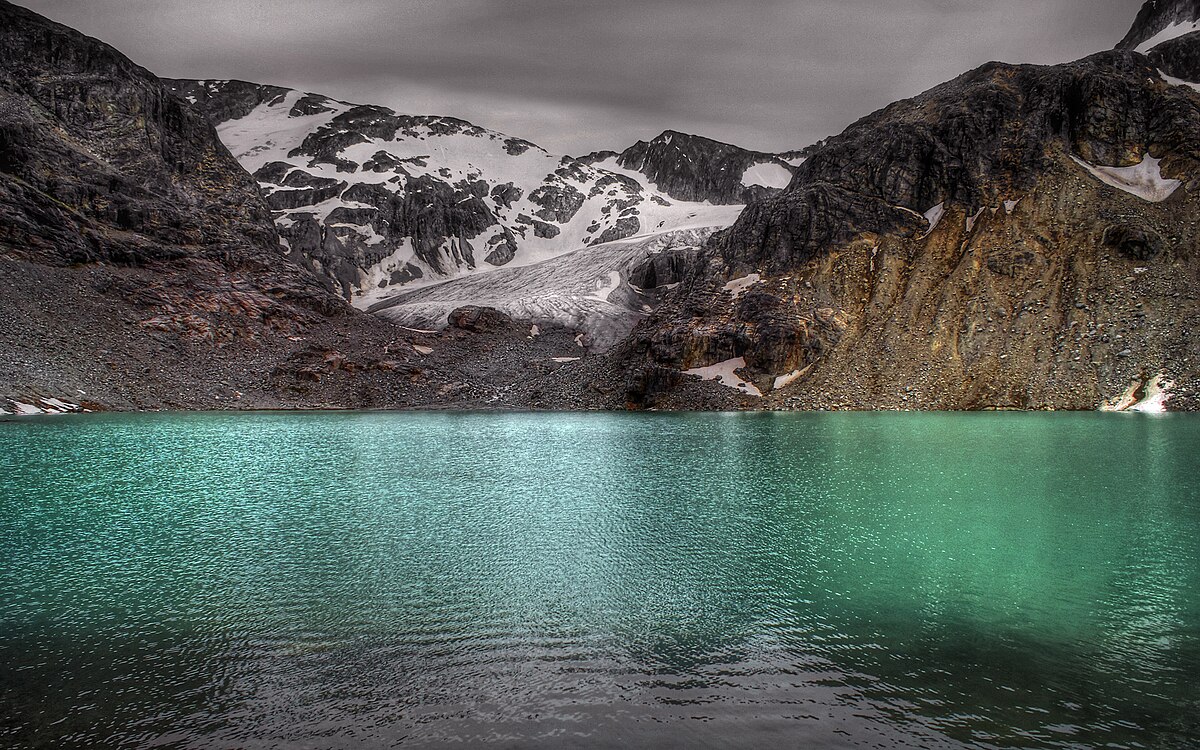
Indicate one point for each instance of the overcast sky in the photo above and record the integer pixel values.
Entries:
(580, 75)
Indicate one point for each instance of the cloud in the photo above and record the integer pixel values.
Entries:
(580, 74)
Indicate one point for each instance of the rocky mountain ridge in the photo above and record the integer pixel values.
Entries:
(376, 201)
(1159, 21)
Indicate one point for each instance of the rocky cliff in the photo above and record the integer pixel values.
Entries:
(1020, 237)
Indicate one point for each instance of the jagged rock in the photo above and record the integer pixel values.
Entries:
(479, 319)
(693, 168)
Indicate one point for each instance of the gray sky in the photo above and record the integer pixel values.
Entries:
(580, 75)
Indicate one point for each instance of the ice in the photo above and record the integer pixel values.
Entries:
(1144, 180)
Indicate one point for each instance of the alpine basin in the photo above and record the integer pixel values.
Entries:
(592, 580)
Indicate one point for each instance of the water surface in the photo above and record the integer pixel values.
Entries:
(600, 580)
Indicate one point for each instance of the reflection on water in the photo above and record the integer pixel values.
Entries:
(821, 581)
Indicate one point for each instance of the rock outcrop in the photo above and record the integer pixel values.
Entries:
(693, 168)
(1021, 237)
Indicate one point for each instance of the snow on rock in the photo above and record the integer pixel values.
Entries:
(1144, 180)
(1154, 397)
(972, 220)
(783, 381)
(934, 217)
(725, 373)
(1179, 82)
(767, 174)
(1174, 31)
(737, 287)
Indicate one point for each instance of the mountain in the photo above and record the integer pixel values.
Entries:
(1159, 21)
(376, 201)
(1020, 237)
(140, 266)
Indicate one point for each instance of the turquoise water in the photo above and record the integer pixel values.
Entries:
(415, 580)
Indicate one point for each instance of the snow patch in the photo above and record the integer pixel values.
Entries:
(972, 220)
(1009, 206)
(1143, 180)
(1154, 399)
(934, 217)
(1174, 31)
(767, 174)
(725, 373)
(1179, 82)
(564, 360)
(422, 350)
(784, 381)
(737, 287)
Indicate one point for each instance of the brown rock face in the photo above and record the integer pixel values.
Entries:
(1040, 286)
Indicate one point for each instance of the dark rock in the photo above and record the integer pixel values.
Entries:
(1133, 242)
(479, 319)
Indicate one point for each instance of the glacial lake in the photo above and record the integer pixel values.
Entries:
(371, 580)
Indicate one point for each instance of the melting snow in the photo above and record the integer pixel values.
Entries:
(725, 374)
(1154, 401)
(934, 217)
(738, 286)
(1179, 81)
(767, 174)
(971, 220)
(1174, 31)
(1144, 180)
(784, 381)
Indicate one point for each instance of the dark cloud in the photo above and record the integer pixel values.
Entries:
(580, 74)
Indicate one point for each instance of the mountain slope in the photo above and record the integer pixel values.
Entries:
(140, 266)
(1159, 21)
(375, 200)
(1020, 237)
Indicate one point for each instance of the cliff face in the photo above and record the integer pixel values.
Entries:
(1019, 237)
(99, 162)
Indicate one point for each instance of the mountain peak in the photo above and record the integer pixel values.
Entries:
(1159, 21)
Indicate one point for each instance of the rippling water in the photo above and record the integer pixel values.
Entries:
(413, 580)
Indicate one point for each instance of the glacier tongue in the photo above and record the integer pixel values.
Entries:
(589, 289)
